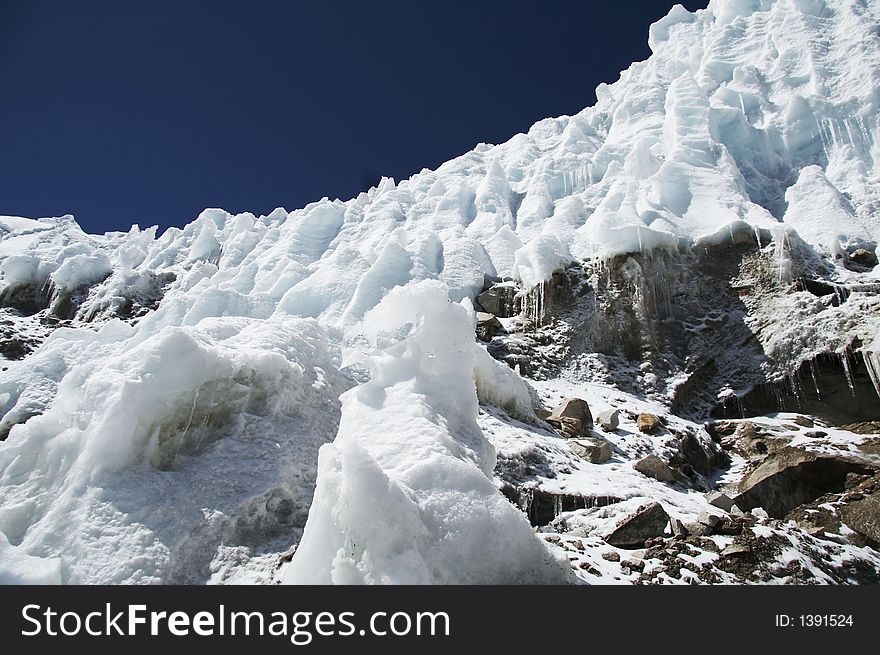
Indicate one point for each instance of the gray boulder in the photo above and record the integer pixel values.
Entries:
(704, 525)
(608, 420)
(720, 500)
(499, 300)
(654, 467)
(678, 529)
(591, 449)
(488, 326)
(645, 523)
(863, 516)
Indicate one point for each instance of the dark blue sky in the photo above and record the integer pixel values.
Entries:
(148, 111)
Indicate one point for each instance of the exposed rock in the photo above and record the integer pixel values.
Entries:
(28, 298)
(568, 426)
(592, 449)
(574, 408)
(488, 326)
(648, 423)
(707, 519)
(793, 477)
(729, 525)
(612, 556)
(705, 525)
(654, 467)
(721, 428)
(815, 434)
(646, 522)
(753, 440)
(863, 427)
(720, 500)
(608, 420)
(697, 529)
(863, 516)
(633, 564)
(815, 521)
(499, 300)
(736, 549)
(803, 421)
(678, 529)
(16, 348)
(695, 455)
(863, 258)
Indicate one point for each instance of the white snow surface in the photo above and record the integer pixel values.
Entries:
(140, 452)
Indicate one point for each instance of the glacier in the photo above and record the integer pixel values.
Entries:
(299, 396)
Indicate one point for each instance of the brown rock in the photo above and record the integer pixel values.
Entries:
(648, 423)
(574, 408)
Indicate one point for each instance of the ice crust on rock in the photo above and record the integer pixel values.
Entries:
(224, 337)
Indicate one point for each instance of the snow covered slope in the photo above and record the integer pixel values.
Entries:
(165, 397)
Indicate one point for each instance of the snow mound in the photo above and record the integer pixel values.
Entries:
(404, 493)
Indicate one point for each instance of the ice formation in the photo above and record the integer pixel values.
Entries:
(168, 429)
(405, 493)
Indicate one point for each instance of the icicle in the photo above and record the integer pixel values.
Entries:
(639, 233)
(847, 369)
(849, 133)
(541, 291)
(815, 378)
(823, 137)
(795, 383)
(872, 363)
(864, 131)
(192, 411)
(779, 254)
(526, 497)
(758, 237)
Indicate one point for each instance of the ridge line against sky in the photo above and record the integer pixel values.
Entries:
(120, 113)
